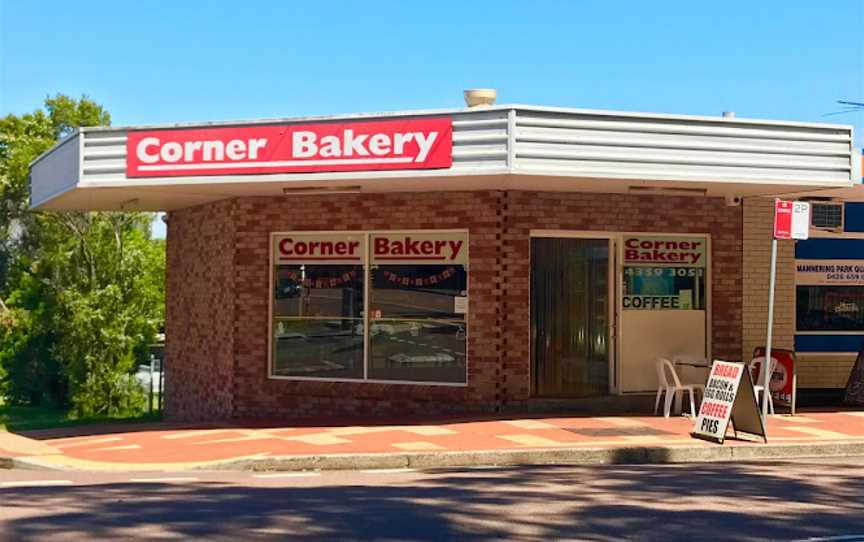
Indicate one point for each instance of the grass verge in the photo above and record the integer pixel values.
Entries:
(28, 418)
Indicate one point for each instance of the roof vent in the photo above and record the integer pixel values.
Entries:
(480, 97)
(728, 114)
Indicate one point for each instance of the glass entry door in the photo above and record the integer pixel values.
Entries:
(570, 316)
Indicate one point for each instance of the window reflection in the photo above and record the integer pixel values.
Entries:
(418, 327)
(415, 328)
(318, 290)
(830, 308)
(318, 325)
(327, 348)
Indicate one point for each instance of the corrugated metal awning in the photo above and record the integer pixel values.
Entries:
(499, 147)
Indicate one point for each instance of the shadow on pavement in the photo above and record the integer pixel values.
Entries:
(671, 502)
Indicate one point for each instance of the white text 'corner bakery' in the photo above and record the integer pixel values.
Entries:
(466, 260)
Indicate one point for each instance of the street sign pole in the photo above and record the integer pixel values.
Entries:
(766, 365)
(791, 221)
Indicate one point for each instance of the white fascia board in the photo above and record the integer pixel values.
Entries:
(288, 177)
(647, 181)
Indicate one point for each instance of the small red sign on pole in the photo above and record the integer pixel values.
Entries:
(782, 219)
(791, 219)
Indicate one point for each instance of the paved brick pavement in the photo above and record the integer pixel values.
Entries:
(167, 446)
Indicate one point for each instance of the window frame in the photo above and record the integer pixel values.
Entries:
(367, 287)
(814, 332)
(822, 234)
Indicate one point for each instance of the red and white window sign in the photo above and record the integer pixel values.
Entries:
(319, 248)
(665, 250)
(430, 248)
(791, 219)
(291, 148)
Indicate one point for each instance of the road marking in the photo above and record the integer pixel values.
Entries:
(165, 479)
(286, 475)
(274, 530)
(386, 471)
(841, 538)
(35, 483)
(87, 442)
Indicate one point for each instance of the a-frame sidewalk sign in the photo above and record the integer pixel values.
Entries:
(728, 397)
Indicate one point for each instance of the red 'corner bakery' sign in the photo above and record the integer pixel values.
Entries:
(291, 148)
(665, 250)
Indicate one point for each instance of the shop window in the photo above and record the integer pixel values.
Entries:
(664, 272)
(830, 308)
(417, 332)
(318, 323)
(415, 326)
(317, 306)
(664, 288)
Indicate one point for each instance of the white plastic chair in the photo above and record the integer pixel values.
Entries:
(758, 387)
(669, 383)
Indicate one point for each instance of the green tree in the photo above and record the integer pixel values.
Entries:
(22, 139)
(84, 291)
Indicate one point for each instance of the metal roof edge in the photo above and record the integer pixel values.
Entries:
(55, 146)
(682, 117)
(306, 118)
(477, 110)
(36, 205)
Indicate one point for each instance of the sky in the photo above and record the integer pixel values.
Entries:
(171, 61)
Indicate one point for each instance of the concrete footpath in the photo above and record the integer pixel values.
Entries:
(441, 442)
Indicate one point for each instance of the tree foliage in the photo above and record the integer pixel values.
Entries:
(84, 292)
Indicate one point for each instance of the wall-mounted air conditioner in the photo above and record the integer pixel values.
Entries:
(826, 216)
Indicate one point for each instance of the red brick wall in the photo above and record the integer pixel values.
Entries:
(526, 211)
(256, 395)
(199, 320)
(221, 376)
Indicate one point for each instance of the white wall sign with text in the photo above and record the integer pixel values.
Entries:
(829, 272)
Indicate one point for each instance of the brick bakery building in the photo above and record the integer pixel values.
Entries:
(470, 259)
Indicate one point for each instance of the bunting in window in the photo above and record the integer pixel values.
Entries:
(430, 280)
(324, 282)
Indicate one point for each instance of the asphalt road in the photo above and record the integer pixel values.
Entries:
(732, 501)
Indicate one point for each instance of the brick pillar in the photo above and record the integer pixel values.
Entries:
(758, 226)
